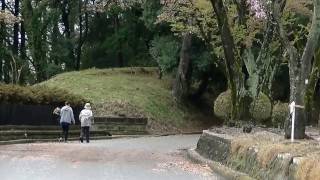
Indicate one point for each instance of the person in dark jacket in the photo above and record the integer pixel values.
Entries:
(66, 118)
(56, 114)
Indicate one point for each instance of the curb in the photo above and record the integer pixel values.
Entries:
(24, 141)
(217, 167)
(176, 134)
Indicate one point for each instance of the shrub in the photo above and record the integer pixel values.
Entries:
(280, 113)
(37, 95)
(260, 110)
(223, 105)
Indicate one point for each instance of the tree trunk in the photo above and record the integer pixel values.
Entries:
(54, 39)
(232, 71)
(309, 52)
(202, 86)
(242, 11)
(2, 41)
(82, 35)
(65, 18)
(119, 52)
(23, 53)
(65, 15)
(35, 29)
(86, 20)
(15, 47)
(181, 85)
(299, 71)
(305, 69)
(311, 88)
(294, 73)
(4, 59)
(80, 38)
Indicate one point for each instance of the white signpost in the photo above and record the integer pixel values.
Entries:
(292, 113)
(292, 108)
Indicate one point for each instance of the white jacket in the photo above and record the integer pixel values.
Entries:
(86, 117)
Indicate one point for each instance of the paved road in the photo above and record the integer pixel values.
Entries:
(147, 158)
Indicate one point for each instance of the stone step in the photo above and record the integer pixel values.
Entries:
(103, 126)
(55, 139)
(121, 120)
(119, 128)
(100, 126)
(28, 127)
(45, 132)
(54, 134)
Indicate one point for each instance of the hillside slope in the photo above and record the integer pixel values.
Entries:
(133, 92)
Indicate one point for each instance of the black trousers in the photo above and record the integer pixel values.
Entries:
(85, 132)
(65, 130)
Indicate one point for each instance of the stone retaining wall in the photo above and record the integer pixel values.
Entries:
(221, 144)
(21, 114)
(217, 147)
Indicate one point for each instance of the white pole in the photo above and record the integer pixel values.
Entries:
(292, 127)
(293, 114)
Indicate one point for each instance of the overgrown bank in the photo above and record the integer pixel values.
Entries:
(134, 92)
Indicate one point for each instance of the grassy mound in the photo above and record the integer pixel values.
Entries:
(37, 95)
(131, 92)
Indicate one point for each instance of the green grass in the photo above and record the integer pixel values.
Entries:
(130, 92)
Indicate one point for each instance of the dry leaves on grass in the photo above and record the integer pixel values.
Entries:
(118, 108)
(197, 169)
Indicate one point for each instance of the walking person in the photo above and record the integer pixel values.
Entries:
(66, 118)
(86, 119)
(56, 114)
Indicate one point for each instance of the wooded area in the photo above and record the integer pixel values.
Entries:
(257, 49)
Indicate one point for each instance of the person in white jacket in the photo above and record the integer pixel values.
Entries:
(86, 119)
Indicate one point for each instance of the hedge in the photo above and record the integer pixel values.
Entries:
(37, 95)
(260, 110)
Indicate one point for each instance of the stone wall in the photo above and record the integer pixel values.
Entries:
(214, 146)
(217, 147)
(21, 114)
